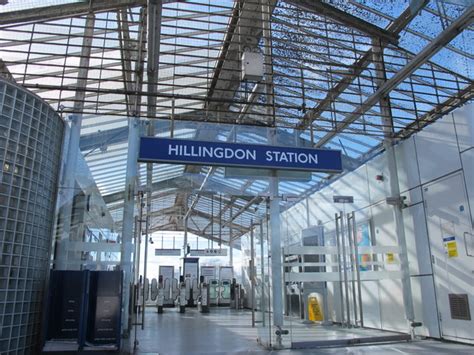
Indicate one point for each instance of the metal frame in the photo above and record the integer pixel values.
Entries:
(341, 81)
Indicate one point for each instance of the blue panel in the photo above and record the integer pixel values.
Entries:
(180, 151)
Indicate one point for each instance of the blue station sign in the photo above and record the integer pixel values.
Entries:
(181, 151)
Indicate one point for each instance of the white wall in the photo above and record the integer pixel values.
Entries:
(442, 148)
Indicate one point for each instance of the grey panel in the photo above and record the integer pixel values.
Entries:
(459, 306)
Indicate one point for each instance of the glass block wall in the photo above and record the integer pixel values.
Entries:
(31, 134)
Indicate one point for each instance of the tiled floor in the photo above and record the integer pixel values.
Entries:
(225, 331)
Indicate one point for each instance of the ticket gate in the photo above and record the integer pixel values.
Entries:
(195, 292)
(213, 292)
(160, 295)
(168, 300)
(175, 289)
(192, 292)
(203, 300)
(236, 296)
(170, 285)
(224, 293)
(182, 296)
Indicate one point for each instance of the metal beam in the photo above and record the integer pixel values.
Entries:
(164, 227)
(246, 23)
(209, 217)
(223, 211)
(207, 236)
(125, 57)
(4, 72)
(357, 68)
(175, 183)
(155, 8)
(438, 111)
(173, 210)
(431, 49)
(322, 9)
(244, 208)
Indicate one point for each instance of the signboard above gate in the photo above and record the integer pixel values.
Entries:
(180, 151)
(208, 252)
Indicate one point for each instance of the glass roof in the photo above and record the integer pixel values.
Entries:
(325, 73)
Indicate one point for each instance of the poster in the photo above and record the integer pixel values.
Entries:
(451, 246)
(364, 240)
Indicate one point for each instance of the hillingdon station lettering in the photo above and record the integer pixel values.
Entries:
(257, 156)
(180, 150)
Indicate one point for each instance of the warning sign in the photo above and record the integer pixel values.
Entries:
(451, 246)
(315, 312)
(390, 258)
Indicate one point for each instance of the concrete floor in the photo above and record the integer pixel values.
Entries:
(225, 331)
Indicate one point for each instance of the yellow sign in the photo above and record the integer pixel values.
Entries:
(315, 313)
(452, 248)
(390, 258)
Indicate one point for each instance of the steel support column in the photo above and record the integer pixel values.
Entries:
(394, 188)
(128, 216)
(186, 219)
(153, 53)
(231, 249)
(275, 246)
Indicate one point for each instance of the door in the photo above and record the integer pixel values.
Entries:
(450, 233)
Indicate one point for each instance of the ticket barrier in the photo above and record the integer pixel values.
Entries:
(188, 290)
(174, 292)
(182, 296)
(236, 295)
(167, 293)
(195, 292)
(224, 294)
(192, 292)
(213, 292)
(203, 300)
(161, 295)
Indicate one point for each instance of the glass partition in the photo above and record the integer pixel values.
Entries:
(263, 316)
